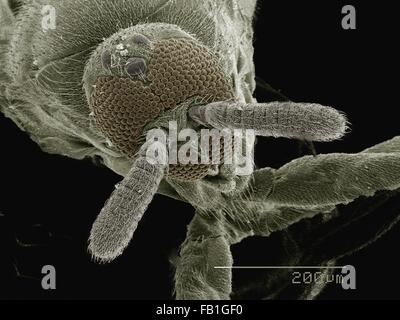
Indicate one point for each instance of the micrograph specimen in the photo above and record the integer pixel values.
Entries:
(94, 79)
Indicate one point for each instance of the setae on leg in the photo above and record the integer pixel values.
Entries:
(205, 247)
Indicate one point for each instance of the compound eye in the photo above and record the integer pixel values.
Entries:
(106, 59)
(135, 66)
(141, 40)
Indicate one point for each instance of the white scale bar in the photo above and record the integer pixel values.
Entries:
(280, 267)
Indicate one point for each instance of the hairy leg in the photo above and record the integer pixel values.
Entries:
(331, 179)
(207, 246)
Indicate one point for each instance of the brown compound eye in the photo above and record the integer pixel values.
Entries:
(177, 70)
(135, 66)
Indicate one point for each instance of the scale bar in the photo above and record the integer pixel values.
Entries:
(279, 267)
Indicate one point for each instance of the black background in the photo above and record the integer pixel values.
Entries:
(301, 50)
